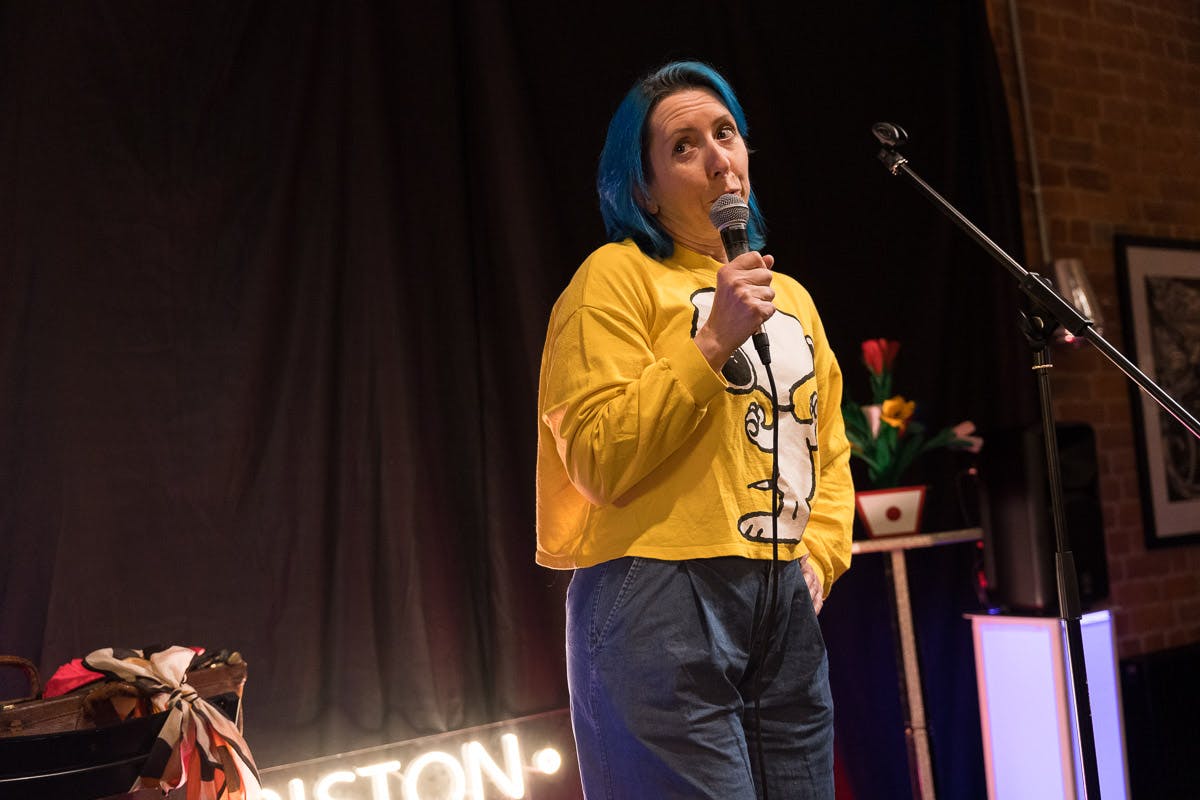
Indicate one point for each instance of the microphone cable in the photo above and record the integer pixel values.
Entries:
(761, 631)
(730, 215)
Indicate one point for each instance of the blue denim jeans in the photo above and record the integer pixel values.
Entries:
(663, 669)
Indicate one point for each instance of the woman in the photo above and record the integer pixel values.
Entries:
(695, 668)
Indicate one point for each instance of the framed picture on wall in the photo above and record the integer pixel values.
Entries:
(1158, 282)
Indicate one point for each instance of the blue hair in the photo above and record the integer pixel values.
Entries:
(622, 174)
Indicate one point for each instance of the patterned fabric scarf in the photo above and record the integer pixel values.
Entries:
(197, 741)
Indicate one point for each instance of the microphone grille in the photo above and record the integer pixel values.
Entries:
(729, 209)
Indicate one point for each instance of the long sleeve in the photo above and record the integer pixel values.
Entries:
(615, 410)
(830, 523)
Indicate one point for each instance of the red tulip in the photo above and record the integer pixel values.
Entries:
(890, 349)
(872, 356)
(879, 354)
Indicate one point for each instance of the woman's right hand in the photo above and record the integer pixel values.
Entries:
(741, 305)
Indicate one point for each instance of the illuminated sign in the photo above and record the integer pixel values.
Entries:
(525, 758)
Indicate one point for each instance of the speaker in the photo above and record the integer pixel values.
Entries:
(1161, 703)
(1019, 541)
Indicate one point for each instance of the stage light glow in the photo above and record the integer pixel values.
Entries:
(295, 791)
(547, 761)
(458, 778)
(378, 773)
(510, 780)
(492, 766)
(321, 790)
(465, 779)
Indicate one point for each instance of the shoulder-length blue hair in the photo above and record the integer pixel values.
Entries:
(622, 174)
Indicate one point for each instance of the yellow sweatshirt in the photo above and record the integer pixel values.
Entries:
(643, 450)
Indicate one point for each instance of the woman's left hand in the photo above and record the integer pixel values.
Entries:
(813, 581)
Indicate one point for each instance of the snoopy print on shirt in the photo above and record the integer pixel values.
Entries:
(796, 416)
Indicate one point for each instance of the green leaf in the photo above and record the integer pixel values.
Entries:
(944, 437)
(910, 448)
(855, 419)
(881, 387)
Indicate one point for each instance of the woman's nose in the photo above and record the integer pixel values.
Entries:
(718, 160)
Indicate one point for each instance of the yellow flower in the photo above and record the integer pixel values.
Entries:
(897, 411)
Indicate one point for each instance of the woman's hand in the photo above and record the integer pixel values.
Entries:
(741, 305)
(813, 581)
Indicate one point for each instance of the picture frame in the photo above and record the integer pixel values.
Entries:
(1158, 285)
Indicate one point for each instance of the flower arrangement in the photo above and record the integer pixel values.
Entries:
(884, 434)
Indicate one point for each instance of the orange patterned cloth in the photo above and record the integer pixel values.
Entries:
(198, 747)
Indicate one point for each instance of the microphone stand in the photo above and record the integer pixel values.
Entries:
(1049, 311)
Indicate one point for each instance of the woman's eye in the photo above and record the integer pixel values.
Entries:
(726, 132)
(680, 147)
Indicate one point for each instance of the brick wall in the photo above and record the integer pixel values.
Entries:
(1114, 91)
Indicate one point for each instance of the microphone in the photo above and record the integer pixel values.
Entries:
(729, 215)
(889, 135)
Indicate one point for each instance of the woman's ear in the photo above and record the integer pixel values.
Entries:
(645, 201)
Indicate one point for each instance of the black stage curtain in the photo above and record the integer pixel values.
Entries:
(273, 287)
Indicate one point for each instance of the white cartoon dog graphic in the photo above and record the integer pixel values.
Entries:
(796, 416)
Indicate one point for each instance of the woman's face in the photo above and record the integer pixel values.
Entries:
(696, 154)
